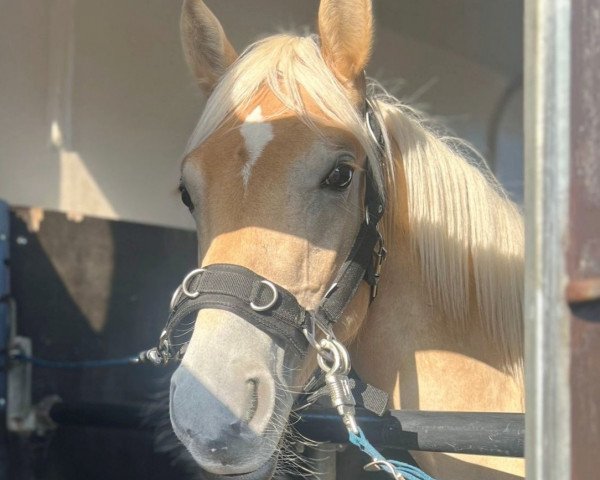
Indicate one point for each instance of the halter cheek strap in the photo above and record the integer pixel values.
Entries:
(363, 262)
(269, 306)
(368, 252)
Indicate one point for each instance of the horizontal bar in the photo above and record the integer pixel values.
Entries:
(497, 434)
(99, 415)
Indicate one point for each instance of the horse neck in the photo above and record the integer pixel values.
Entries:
(411, 350)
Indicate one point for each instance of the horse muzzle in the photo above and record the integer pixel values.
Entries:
(229, 396)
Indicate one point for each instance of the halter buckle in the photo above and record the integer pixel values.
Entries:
(380, 256)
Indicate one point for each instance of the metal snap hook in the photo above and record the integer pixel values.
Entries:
(188, 277)
(263, 308)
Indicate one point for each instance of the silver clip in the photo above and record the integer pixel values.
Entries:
(336, 378)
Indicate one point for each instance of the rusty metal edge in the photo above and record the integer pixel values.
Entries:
(585, 290)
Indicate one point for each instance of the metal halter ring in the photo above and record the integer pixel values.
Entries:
(188, 277)
(263, 308)
(341, 359)
(174, 298)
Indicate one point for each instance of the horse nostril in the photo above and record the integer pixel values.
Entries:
(252, 399)
(236, 427)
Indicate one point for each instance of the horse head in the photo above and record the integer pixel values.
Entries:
(274, 177)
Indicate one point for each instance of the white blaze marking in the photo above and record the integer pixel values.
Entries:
(257, 134)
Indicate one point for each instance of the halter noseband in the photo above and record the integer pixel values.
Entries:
(270, 307)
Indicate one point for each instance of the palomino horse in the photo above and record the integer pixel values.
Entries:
(274, 176)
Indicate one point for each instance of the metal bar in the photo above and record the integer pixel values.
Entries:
(4, 331)
(547, 147)
(497, 434)
(583, 253)
(19, 412)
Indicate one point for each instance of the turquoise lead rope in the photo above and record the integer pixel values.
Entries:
(334, 361)
(400, 469)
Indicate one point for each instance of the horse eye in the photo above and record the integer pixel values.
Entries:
(339, 178)
(185, 197)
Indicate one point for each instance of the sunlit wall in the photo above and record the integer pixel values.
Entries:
(96, 103)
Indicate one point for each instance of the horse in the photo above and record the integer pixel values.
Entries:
(274, 175)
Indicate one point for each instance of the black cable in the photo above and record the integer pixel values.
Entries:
(80, 364)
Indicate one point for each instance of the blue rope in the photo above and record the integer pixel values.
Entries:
(112, 362)
(408, 471)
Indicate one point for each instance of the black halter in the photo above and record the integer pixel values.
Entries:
(269, 306)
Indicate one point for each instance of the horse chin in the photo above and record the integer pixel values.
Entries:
(264, 472)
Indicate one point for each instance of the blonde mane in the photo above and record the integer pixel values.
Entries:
(466, 233)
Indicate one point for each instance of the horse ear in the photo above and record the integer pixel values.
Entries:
(346, 31)
(207, 51)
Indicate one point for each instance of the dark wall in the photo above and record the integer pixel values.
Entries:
(94, 289)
